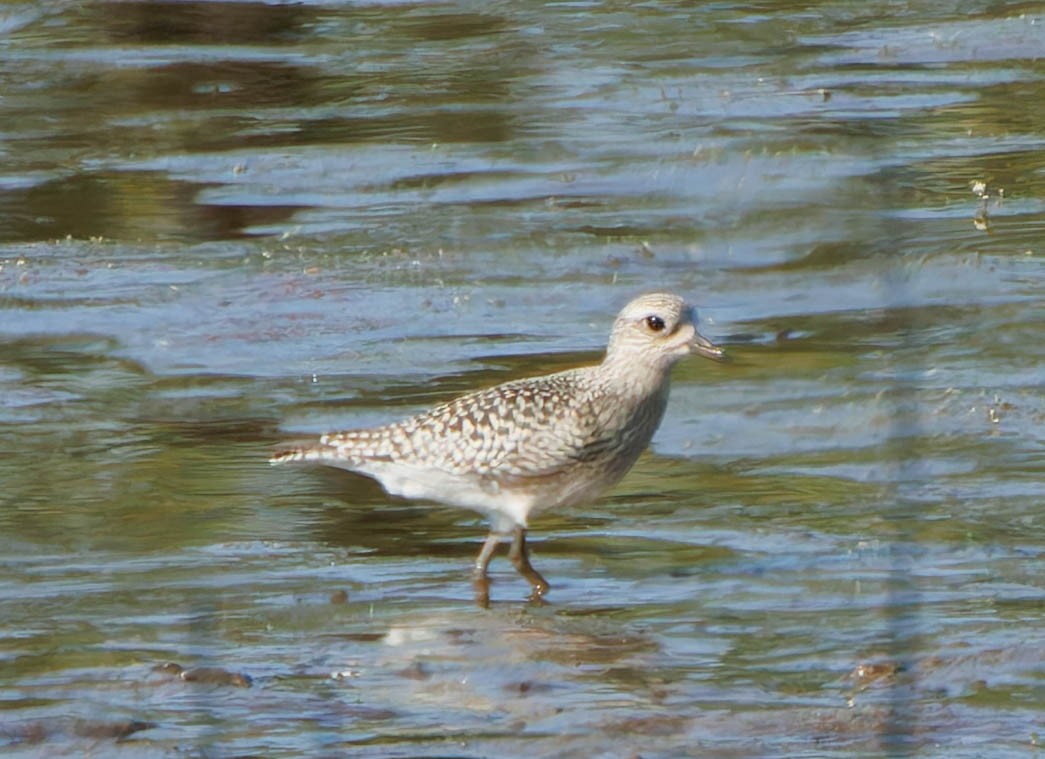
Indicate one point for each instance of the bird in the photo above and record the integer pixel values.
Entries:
(529, 445)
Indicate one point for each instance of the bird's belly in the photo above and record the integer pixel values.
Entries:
(505, 507)
(508, 500)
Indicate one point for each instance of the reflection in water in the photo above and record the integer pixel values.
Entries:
(143, 204)
(301, 217)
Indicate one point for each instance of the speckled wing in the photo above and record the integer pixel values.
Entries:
(530, 428)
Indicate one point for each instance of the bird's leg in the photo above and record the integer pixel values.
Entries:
(521, 561)
(480, 579)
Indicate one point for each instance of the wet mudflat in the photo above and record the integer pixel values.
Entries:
(226, 224)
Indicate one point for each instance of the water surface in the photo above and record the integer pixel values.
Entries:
(227, 224)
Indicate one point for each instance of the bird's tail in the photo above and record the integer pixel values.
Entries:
(306, 452)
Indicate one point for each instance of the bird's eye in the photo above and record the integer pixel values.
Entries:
(655, 323)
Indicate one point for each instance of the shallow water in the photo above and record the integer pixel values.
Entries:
(226, 224)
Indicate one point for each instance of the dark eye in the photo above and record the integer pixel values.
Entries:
(655, 323)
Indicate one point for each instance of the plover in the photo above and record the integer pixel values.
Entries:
(529, 445)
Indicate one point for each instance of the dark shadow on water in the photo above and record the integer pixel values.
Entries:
(95, 205)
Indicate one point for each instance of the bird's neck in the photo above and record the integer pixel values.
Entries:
(633, 378)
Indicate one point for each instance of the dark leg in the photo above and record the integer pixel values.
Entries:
(521, 561)
(479, 577)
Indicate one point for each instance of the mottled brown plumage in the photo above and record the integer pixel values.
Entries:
(525, 446)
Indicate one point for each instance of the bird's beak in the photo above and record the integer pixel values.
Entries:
(704, 347)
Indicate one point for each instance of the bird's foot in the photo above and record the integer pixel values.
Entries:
(481, 583)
